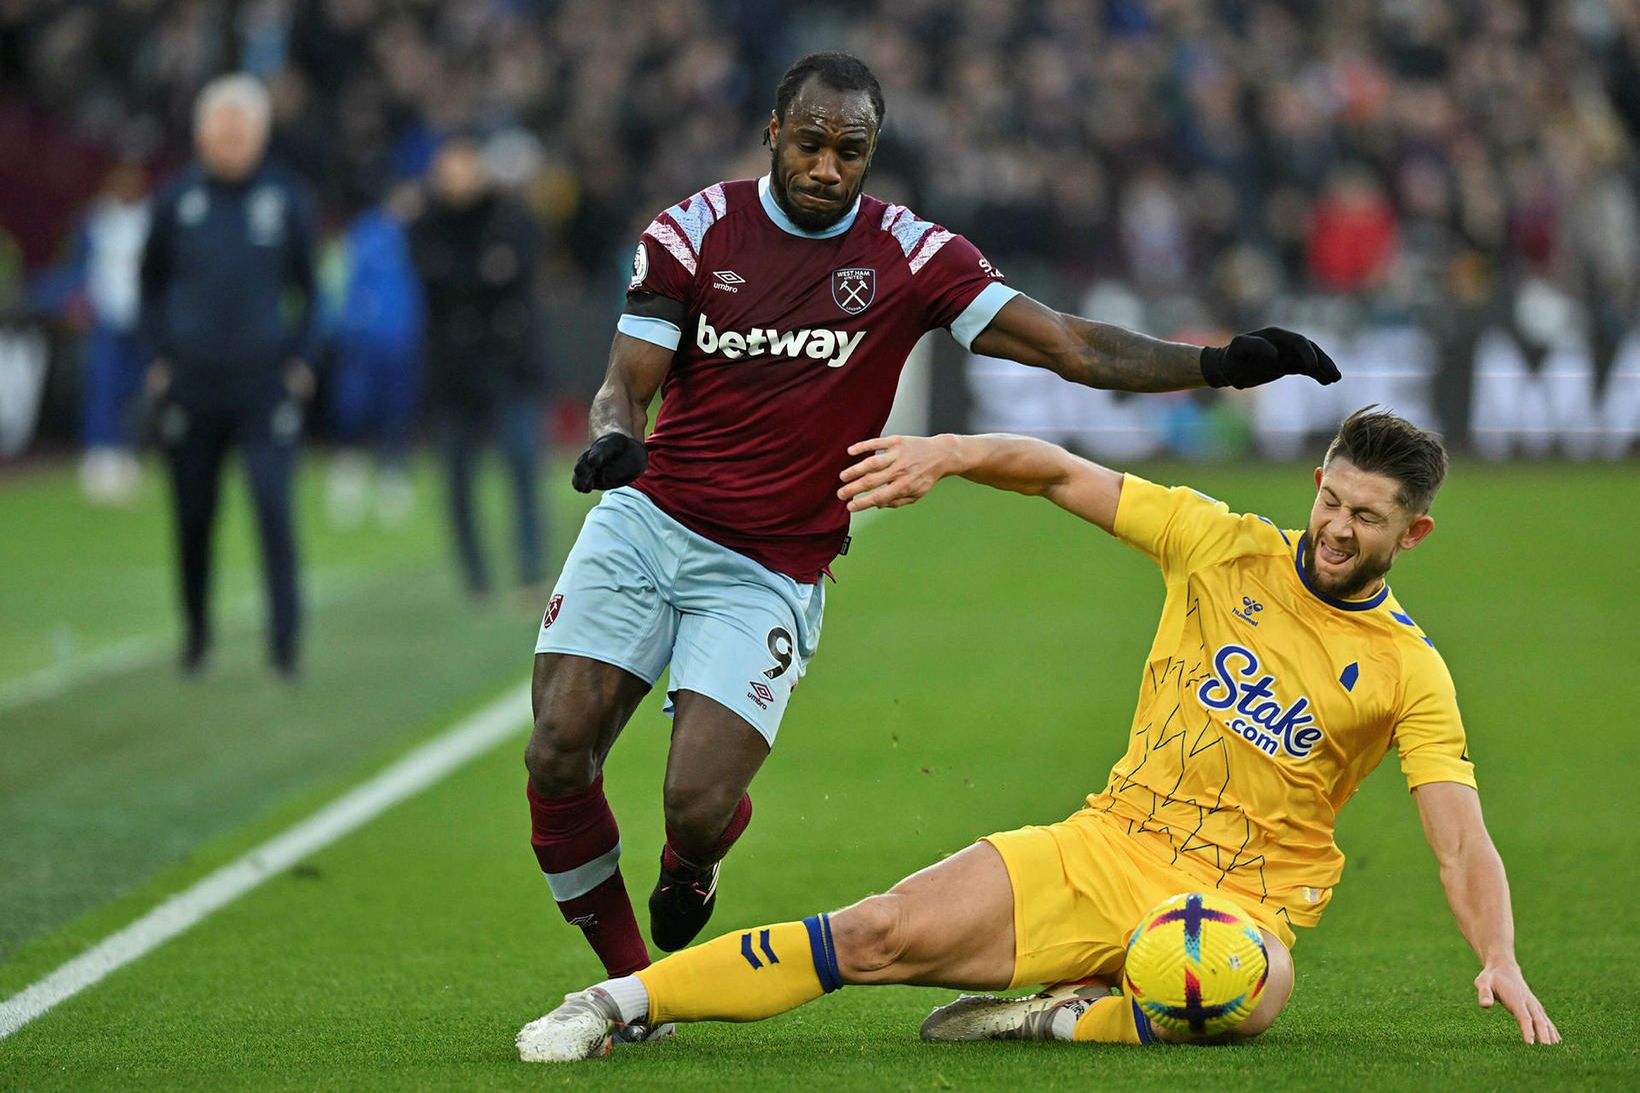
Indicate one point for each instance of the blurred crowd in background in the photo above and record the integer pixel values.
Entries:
(1424, 161)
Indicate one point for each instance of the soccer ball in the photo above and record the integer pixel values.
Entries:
(1196, 965)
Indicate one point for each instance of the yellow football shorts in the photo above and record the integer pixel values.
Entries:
(1080, 887)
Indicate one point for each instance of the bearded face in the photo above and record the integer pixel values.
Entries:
(1357, 527)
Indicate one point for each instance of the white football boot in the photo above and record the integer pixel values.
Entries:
(987, 1017)
(581, 1028)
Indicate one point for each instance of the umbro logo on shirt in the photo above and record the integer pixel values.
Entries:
(727, 279)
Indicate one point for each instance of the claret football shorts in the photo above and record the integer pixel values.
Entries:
(1080, 887)
(639, 590)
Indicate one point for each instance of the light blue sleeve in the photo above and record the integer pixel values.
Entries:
(655, 331)
(978, 314)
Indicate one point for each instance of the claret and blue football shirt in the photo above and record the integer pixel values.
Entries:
(789, 350)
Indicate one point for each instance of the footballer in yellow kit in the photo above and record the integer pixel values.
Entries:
(1283, 670)
(1262, 704)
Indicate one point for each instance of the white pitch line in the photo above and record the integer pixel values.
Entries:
(49, 682)
(415, 772)
(142, 650)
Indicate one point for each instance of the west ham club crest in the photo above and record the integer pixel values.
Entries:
(853, 289)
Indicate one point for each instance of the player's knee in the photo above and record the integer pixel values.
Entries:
(871, 938)
(697, 814)
(561, 756)
(1278, 987)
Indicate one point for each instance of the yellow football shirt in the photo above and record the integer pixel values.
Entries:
(1264, 703)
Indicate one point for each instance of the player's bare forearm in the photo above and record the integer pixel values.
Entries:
(1020, 464)
(615, 454)
(1112, 357)
(636, 368)
(614, 410)
(1118, 359)
(1087, 352)
(1472, 873)
(1477, 890)
(895, 471)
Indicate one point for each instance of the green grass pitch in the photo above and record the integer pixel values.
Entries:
(977, 672)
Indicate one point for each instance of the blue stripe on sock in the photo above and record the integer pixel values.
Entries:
(746, 951)
(1142, 1023)
(768, 951)
(831, 953)
(820, 948)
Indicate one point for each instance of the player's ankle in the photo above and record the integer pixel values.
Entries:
(696, 843)
(1063, 1025)
(628, 994)
(674, 864)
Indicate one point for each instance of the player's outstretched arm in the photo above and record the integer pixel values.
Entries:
(1101, 355)
(894, 471)
(620, 414)
(1478, 891)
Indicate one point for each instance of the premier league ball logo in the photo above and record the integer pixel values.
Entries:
(640, 267)
(853, 289)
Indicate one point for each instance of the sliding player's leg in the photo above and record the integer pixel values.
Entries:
(1277, 990)
(948, 925)
(1089, 1012)
(1083, 887)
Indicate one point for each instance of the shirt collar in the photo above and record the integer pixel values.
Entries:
(1367, 604)
(784, 222)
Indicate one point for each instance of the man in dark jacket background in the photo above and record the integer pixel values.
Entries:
(475, 249)
(231, 237)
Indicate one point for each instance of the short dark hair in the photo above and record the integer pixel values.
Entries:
(1379, 442)
(838, 71)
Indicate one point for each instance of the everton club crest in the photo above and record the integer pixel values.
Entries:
(853, 289)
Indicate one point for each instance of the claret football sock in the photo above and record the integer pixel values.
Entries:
(579, 848)
(1113, 1020)
(745, 976)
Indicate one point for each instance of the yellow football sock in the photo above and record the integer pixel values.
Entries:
(745, 976)
(1113, 1020)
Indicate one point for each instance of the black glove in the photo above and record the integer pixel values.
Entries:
(1265, 355)
(614, 459)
